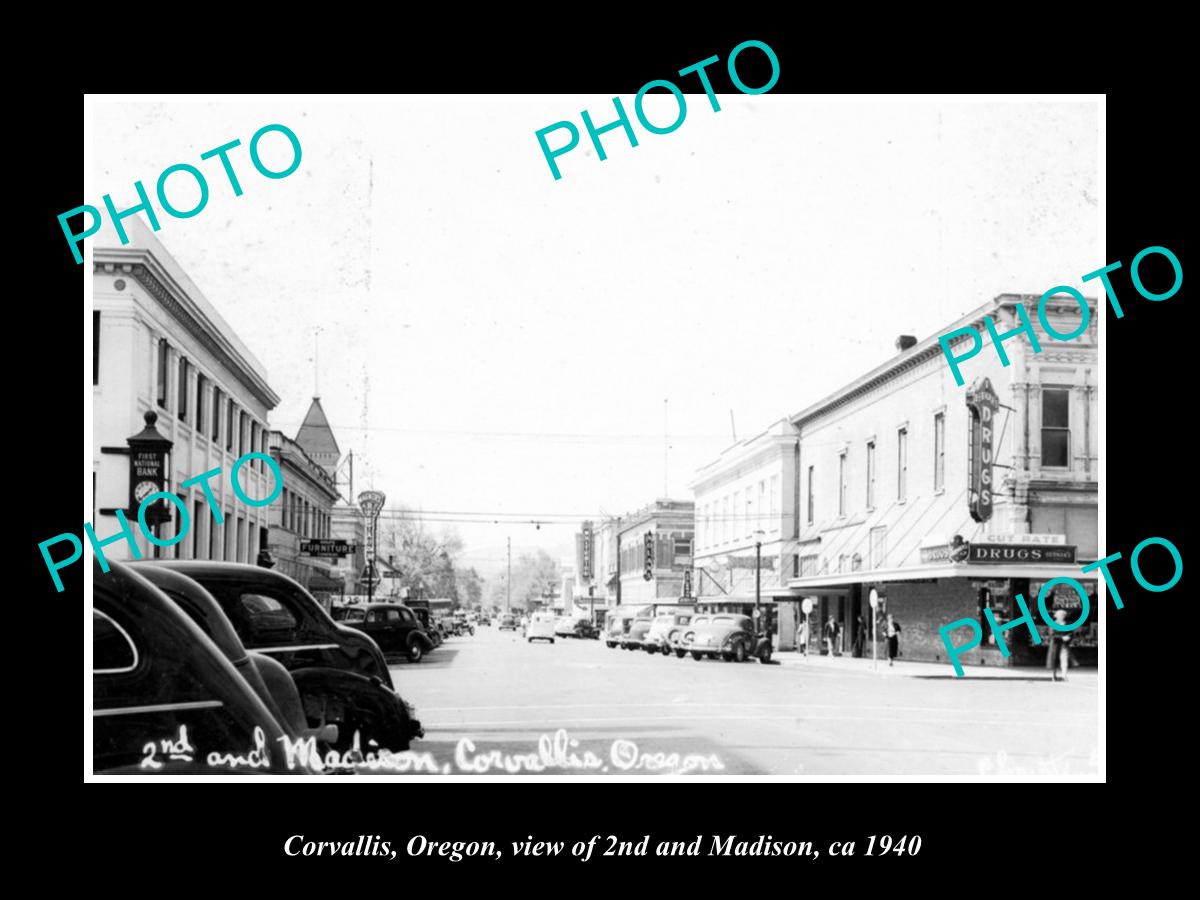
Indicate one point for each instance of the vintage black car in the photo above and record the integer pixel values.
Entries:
(273, 614)
(273, 684)
(726, 636)
(585, 628)
(164, 696)
(393, 626)
(333, 706)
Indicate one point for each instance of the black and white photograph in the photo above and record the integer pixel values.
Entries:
(530, 437)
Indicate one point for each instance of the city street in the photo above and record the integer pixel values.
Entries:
(790, 719)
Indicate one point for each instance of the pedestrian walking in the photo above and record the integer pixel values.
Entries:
(892, 631)
(860, 637)
(802, 636)
(831, 631)
(1058, 654)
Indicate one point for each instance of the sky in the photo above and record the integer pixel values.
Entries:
(490, 340)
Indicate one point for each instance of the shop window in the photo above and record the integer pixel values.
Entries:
(1056, 432)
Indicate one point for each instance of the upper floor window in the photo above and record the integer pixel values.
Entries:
(902, 465)
(939, 451)
(163, 362)
(182, 410)
(95, 347)
(870, 474)
(810, 495)
(1056, 427)
(841, 484)
(201, 401)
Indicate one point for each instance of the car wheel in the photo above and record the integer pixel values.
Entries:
(697, 656)
(609, 644)
(415, 651)
(739, 652)
(681, 653)
(552, 640)
(765, 658)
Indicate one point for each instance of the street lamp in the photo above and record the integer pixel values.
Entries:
(759, 535)
(371, 502)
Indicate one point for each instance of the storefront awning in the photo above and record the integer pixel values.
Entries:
(1043, 571)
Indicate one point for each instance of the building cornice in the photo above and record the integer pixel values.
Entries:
(143, 269)
(930, 348)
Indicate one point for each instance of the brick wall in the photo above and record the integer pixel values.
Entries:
(921, 609)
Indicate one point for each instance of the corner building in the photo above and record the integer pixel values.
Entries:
(888, 468)
(161, 346)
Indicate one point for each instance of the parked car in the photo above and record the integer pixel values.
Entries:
(730, 637)
(507, 623)
(586, 628)
(393, 626)
(616, 626)
(274, 615)
(164, 696)
(632, 639)
(273, 684)
(485, 620)
(664, 632)
(683, 641)
(567, 626)
(540, 628)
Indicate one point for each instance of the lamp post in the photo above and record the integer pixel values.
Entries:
(758, 536)
(873, 600)
(371, 502)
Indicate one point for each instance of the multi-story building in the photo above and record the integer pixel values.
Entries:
(671, 525)
(746, 526)
(161, 347)
(905, 489)
(303, 514)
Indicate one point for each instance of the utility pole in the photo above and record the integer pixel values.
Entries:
(508, 581)
(666, 491)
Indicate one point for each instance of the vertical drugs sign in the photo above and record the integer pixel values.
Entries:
(982, 403)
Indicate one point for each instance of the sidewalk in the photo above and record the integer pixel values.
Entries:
(904, 669)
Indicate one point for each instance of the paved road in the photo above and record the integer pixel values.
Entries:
(487, 701)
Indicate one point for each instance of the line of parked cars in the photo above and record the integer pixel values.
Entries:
(194, 658)
(722, 635)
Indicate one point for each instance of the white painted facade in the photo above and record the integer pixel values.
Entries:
(162, 347)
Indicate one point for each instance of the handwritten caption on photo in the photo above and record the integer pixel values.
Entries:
(559, 752)
(126, 531)
(607, 845)
(145, 206)
(1026, 617)
(622, 120)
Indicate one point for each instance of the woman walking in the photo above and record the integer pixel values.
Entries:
(893, 639)
(1058, 654)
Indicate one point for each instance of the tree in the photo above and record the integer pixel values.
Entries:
(532, 575)
(425, 559)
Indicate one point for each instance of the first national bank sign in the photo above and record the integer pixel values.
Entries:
(982, 401)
